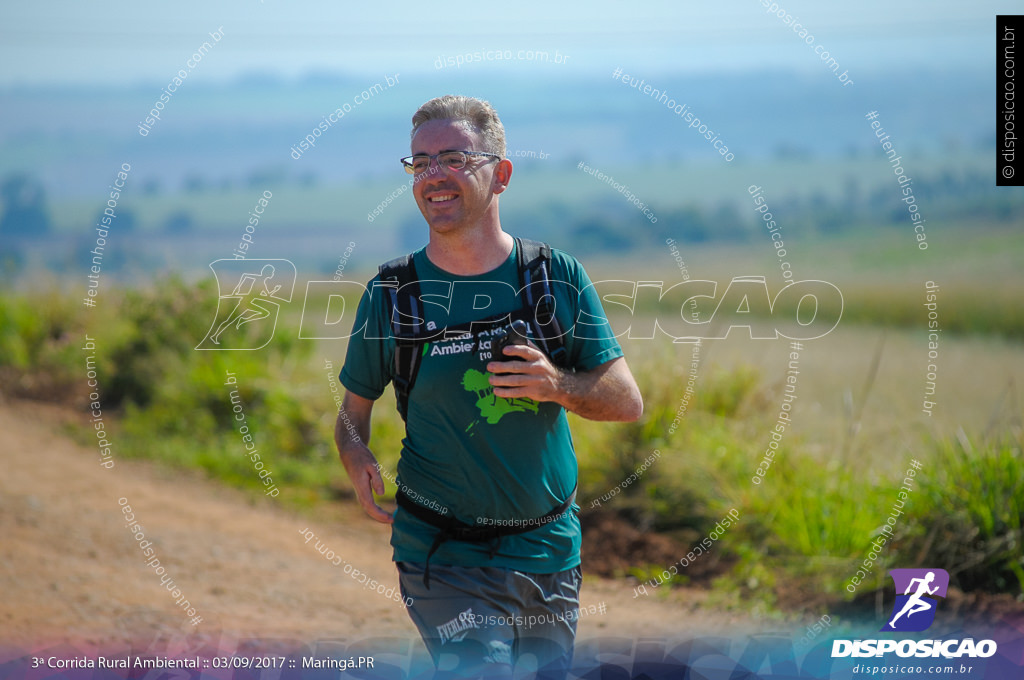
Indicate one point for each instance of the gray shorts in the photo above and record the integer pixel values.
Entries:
(486, 621)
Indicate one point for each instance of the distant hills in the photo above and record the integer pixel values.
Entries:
(242, 132)
(200, 168)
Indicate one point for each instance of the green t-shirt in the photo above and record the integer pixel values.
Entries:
(484, 459)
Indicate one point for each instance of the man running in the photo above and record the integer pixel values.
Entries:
(248, 309)
(486, 537)
(914, 603)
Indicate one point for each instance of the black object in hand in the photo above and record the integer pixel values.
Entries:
(515, 334)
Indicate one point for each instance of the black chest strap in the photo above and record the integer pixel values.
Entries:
(451, 529)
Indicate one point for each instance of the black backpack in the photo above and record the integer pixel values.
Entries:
(403, 296)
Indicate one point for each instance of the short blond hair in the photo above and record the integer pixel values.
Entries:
(477, 112)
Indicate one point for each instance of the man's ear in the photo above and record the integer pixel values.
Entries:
(502, 175)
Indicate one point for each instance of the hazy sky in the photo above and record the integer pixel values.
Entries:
(129, 41)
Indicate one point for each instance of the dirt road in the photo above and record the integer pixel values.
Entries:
(71, 570)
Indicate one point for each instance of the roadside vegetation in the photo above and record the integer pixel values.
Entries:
(811, 521)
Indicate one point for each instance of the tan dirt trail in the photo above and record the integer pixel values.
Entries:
(71, 571)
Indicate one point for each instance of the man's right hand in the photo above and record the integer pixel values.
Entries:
(352, 434)
(363, 470)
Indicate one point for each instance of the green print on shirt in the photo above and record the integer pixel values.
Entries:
(491, 407)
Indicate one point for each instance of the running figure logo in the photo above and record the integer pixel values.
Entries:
(915, 611)
(259, 287)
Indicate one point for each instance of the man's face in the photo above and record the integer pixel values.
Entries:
(453, 200)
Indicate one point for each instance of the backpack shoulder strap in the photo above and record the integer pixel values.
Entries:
(534, 261)
(404, 315)
(529, 250)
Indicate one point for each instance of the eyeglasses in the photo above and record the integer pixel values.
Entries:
(449, 160)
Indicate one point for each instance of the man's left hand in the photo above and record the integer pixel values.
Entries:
(605, 392)
(534, 376)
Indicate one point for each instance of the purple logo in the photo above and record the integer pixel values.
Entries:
(914, 609)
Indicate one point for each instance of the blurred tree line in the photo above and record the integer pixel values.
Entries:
(611, 223)
(615, 224)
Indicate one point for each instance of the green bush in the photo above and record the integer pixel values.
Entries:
(816, 522)
(701, 466)
(41, 336)
(972, 512)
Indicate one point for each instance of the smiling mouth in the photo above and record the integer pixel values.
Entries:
(442, 198)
